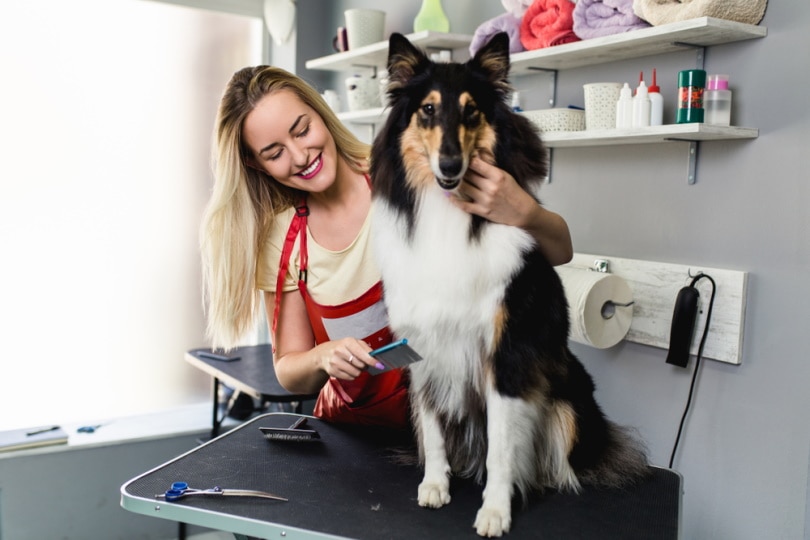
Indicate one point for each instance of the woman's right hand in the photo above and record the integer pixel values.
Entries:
(345, 358)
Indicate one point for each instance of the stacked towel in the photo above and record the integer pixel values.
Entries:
(547, 23)
(659, 12)
(597, 18)
(502, 23)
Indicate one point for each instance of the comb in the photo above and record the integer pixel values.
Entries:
(395, 355)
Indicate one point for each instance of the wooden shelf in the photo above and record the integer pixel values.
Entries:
(376, 54)
(645, 135)
(678, 36)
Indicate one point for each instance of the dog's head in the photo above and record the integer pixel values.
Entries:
(445, 111)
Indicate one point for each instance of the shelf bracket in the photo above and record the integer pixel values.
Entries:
(691, 165)
(553, 89)
(700, 58)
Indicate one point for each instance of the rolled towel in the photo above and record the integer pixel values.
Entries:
(597, 18)
(505, 22)
(516, 7)
(547, 23)
(658, 12)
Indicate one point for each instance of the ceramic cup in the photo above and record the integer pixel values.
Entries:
(600, 104)
(362, 92)
(364, 26)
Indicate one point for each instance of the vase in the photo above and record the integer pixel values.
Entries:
(431, 17)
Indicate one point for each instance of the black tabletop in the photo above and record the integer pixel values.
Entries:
(352, 483)
(252, 373)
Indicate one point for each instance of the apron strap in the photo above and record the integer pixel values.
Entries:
(298, 227)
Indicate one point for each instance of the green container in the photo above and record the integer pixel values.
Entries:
(691, 84)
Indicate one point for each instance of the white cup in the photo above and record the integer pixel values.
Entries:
(362, 93)
(600, 104)
(332, 99)
(364, 26)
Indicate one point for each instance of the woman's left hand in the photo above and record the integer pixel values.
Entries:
(494, 194)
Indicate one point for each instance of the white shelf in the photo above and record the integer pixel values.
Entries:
(667, 38)
(376, 54)
(644, 135)
(367, 116)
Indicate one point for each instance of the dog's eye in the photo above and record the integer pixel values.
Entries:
(470, 112)
(428, 109)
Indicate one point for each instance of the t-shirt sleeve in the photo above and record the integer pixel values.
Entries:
(267, 264)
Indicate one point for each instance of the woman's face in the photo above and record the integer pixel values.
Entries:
(290, 142)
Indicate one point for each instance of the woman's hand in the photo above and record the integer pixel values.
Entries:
(345, 358)
(494, 194)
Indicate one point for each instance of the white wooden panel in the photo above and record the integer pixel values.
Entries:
(655, 287)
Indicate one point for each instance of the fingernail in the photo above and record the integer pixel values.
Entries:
(380, 365)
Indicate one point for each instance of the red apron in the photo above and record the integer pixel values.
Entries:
(379, 399)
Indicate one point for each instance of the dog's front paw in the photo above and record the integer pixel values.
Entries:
(492, 522)
(434, 494)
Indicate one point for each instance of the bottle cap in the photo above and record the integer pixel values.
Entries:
(625, 92)
(654, 86)
(642, 90)
(718, 82)
(692, 77)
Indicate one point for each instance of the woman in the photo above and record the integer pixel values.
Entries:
(290, 210)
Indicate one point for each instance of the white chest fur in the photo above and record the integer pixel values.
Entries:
(442, 288)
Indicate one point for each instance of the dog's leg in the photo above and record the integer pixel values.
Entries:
(434, 491)
(510, 444)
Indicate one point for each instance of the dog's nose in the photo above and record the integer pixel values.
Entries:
(450, 166)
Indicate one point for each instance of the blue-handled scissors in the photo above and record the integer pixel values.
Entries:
(181, 489)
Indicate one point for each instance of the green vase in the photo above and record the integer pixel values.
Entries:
(431, 17)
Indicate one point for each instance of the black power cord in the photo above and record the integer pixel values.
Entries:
(697, 361)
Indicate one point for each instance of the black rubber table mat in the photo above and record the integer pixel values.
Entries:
(351, 484)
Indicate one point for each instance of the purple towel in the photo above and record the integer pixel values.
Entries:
(597, 18)
(502, 23)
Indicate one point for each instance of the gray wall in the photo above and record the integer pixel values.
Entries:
(744, 451)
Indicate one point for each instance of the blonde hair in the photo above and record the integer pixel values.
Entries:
(245, 201)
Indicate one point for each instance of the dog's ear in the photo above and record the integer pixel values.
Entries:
(404, 61)
(493, 61)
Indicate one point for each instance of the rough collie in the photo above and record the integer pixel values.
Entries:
(499, 396)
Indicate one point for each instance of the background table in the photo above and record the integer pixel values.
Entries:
(350, 485)
(252, 374)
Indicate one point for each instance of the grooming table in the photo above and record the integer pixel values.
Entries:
(349, 484)
(252, 374)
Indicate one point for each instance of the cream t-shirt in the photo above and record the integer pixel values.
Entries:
(333, 277)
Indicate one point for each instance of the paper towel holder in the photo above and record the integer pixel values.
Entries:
(609, 308)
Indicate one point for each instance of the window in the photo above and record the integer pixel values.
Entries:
(107, 121)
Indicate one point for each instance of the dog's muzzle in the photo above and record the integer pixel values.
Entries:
(448, 183)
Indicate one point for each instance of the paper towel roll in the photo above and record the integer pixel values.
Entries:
(587, 292)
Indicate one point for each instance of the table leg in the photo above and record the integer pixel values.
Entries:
(216, 422)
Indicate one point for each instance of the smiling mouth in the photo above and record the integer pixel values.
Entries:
(313, 168)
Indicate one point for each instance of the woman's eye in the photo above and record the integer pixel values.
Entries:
(304, 132)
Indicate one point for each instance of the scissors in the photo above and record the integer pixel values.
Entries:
(181, 489)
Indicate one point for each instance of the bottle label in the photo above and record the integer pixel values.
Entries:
(690, 97)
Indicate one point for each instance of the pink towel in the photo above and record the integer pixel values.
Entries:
(502, 23)
(597, 18)
(547, 23)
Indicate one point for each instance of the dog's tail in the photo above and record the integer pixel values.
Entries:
(624, 461)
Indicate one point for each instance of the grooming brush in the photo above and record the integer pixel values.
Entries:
(292, 433)
(395, 355)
